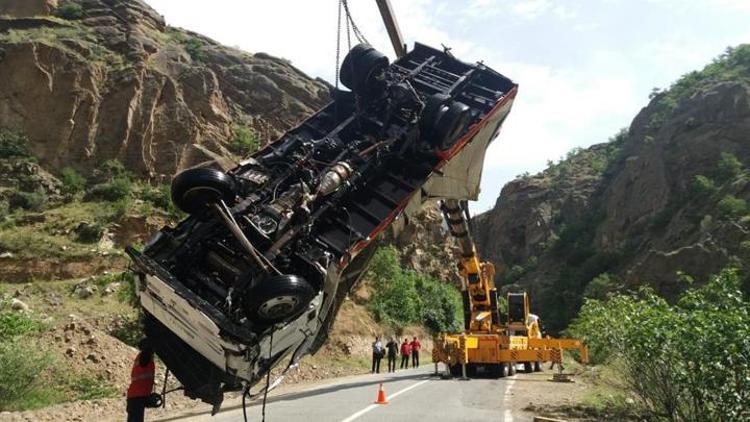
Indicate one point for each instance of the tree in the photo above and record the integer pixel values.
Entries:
(686, 361)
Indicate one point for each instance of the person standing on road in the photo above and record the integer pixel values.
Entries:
(141, 382)
(392, 348)
(377, 355)
(416, 346)
(405, 352)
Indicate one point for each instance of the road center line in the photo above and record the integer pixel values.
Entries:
(391, 397)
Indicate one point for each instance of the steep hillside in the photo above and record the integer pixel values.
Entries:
(94, 80)
(662, 203)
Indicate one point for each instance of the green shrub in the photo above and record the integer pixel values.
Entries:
(441, 305)
(128, 293)
(110, 170)
(21, 385)
(13, 144)
(14, 324)
(599, 286)
(728, 167)
(195, 48)
(681, 360)
(72, 181)
(404, 297)
(32, 201)
(70, 10)
(89, 232)
(703, 186)
(244, 141)
(161, 197)
(115, 190)
(731, 206)
(130, 333)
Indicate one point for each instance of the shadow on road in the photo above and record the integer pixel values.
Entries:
(309, 393)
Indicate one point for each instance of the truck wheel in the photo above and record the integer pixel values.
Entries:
(450, 124)
(194, 189)
(512, 369)
(433, 108)
(361, 68)
(455, 370)
(527, 367)
(278, 298)
(537, 366)
(503, 370)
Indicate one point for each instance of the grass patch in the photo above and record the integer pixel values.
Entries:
(30, 242)
(14, 324)
(90, 388)
(62, 36)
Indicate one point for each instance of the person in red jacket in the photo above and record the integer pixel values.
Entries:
(141, 382)
(405, 352)
(416, 346)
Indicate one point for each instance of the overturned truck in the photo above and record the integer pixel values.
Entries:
(270, 249)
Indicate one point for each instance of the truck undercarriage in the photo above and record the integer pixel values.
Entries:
(258, 270)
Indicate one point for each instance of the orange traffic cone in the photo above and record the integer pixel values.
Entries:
(381, 396)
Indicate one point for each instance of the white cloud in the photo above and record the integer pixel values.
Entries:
(555, 109)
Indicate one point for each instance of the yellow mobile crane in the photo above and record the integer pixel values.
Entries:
(489, 343)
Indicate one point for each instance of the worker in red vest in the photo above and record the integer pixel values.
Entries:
(405, 352)
(416, 346)
(141, 382)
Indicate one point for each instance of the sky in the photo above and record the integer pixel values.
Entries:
(584, 67)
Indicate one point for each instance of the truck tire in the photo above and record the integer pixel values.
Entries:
(433, 108)
(455, 370)
(537, 366)
(360, 69)
(527, 367)
(194, 189)
(503, 370)
(511, 369)
(449, 125)
(278, 298)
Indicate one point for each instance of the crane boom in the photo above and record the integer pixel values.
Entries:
(477, 278)
(389, 19)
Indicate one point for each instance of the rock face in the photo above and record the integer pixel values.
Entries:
(120, 84)
(667, 195)
(27, 8)
(425, 246)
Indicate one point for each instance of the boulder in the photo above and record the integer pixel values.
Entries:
(18, 305)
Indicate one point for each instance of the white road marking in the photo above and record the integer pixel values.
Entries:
(391, 397)
(508, 415)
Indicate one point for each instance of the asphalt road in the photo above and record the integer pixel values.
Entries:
(413, 395)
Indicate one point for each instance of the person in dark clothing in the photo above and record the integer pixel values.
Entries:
(141, 382)
(392, 348)
(416, 346)
(405, 352)
(377, 355)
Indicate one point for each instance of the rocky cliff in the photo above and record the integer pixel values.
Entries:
(93, 80)
(662, 203)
